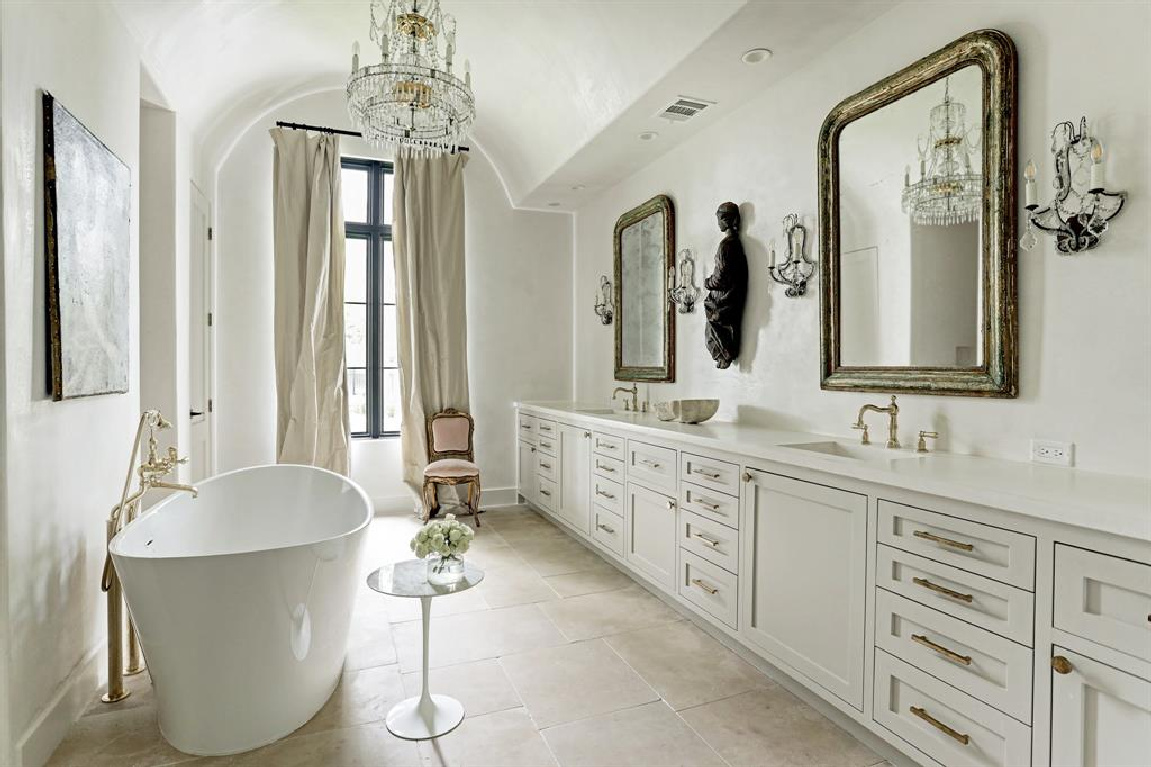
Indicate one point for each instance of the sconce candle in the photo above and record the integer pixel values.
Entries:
(1029, 186)
(1097, 167)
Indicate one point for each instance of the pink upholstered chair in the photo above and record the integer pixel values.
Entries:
(451, 460)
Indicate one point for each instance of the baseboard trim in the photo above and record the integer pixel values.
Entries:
(407, 505)
(48, 729)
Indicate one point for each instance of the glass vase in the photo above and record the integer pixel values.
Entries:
(444, 571)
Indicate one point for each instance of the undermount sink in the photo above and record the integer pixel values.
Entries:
(596, 411)
(854, 452)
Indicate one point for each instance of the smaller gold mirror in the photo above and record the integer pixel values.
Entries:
(645, 319)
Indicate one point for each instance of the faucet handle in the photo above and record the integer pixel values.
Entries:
(865, 439)
(923, 437)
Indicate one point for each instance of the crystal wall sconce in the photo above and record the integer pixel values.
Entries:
(605, 302)
(796, 268)
(1082, 208)
(681, 290)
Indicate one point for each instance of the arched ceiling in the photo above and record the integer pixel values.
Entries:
(550, 76)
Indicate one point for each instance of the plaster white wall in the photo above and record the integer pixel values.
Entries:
(63, 463)
(1084, 374)
(519, 309)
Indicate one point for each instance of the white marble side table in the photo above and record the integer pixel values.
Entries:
(427, 716)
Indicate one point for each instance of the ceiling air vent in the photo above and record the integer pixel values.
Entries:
(684, 108)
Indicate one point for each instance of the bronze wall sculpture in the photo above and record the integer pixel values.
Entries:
(727, 290)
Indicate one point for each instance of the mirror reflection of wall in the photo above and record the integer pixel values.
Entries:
(642, 283)
(910, 209)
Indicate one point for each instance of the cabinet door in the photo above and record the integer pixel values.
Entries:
(528, 480)
(652, 533)
(1100, 717)
(575, 477)
(804, 577)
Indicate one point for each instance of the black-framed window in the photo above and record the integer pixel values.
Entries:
(370, 299)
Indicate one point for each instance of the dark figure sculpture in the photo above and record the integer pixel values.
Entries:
(727, 290)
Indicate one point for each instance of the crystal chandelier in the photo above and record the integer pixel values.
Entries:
(950, 189)
(412, 97)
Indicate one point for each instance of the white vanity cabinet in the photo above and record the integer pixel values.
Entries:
(575, 473)
(651, 534)
(804, 584)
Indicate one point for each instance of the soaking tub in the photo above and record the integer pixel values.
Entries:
(242, 599)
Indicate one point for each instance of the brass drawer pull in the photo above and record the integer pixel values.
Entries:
(545, 465)
(708, 474)
(707, 502)
(948, 731)
(604, 494)
(608, 445)
(608, 469)
(605, 528)
(949, 654)
(746, 476)
(525, 426)
(545, 492)
(1061, 665)
(704, 586)
(943, 541)
(545, 428)
(707, 539)
(670, 504)
(942, 590)
(651, 463)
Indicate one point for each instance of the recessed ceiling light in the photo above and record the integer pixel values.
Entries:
(553, 204)
(648, 135)
(756, 55)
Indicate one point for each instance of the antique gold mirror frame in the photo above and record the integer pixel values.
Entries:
(656, 374)
(998, 375)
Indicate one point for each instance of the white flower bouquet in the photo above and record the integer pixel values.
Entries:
(445, 541)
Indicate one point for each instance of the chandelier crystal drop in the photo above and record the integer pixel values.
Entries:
(411, 97)
(950, 188)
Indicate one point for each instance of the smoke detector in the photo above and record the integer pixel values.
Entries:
(684, 108)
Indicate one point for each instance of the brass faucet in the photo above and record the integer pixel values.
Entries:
(892, 411)
(633, 391)
(150, 474)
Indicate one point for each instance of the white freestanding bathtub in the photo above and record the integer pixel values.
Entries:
(242, 599)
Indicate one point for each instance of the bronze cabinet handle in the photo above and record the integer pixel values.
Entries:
(651, 463)
(1061, 665)
(604, 494)
(949, 654)
(708, 474)
(704, 586)
(943, 541)
(608, 469)
(942, 590)
(605, 528)
(545, 492)
(545, 465)
(948, 731)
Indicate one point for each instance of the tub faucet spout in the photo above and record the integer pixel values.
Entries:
(176, 486)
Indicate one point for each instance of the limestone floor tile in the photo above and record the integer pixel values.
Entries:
(369, 636)
(481, 686)
(129, 738)
(646, 736)
(685, 665)
(588, 582)
(501, 739)
(494, 557)
(515, 585)
(575, 681)
(362, 697)
(369, 745)
(561, 557)
(608, 612)
(773, 728)
(473, 636)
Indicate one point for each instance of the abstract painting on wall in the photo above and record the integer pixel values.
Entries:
(87, 236)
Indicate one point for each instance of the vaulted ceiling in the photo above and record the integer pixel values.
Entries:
(557, 82)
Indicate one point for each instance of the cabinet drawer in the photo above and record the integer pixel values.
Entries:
(713, 473)
(712, 541)
(549, 494)
(1103, 598)
(547, 445)
(710, 588)
(952, 728)
(547, 466)
(526, 427)
(608, 445)
(995, 670)
(708, 503)
(990, 551)
(652, 465)
(607, 530)
(608, 494)
(1003, 609)
(608, 468)
(547, 428)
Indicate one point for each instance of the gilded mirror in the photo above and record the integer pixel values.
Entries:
(645, 320)
(918, 204)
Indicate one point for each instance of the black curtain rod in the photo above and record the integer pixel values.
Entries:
(340, 131)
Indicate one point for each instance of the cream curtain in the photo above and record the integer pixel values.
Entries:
(311, 381)
(431, 322)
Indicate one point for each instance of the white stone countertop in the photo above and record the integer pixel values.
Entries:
(1109, 503)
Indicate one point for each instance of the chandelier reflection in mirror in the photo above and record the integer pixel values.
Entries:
(950, 186)
(1082, 208)
(681, 290)
(796, 268)
(605, 302)
(411, 97)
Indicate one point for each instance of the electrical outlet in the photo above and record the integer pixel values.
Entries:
(1053, 452)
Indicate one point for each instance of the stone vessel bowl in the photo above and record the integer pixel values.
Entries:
(686, 410)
